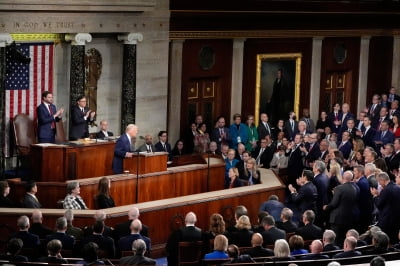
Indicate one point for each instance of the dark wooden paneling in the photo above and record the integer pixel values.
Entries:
(328, 64)
(379, 66)
(273, 46)
(221, 70)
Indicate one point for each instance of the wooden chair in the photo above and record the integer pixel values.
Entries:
(24, 136)
(60, 133)
(216, 262)
(189, 253)
(5, 232)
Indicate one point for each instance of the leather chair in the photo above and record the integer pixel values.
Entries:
(189, 253)
(24, 135)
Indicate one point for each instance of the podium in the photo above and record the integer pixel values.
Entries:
(148, 163)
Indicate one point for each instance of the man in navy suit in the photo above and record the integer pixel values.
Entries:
(264, 128)
(295, 161)
(345, 145)
(47, 115)
(365, 202)
(387, 202)
(368, 133)
(291, 127)
(321, 182)
(344, 116)
(383, 136)
(221, 134)
(124, 148)
(306, 197)
(375, 107)
(67, 241)
(163, 145)
(29, 240)
(335, 117)
(81, 116)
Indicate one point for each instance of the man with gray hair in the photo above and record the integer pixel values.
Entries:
(328, 238)
(124, 148)
(286, 222)
(343, 208)
(138, 258)
(67, 241)
(71, 229)
(37, 226)
(321, 182)
(123, 229)
(99, 216)
(188, 233)
(73, 200)
(387, 202)
(370, 170)
(29, 240)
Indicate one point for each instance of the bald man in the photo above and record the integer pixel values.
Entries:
(125, 243)
(257, 249)
(124, 148)
(349, 245)
(123, 229)
(316, 248)
(37, 226)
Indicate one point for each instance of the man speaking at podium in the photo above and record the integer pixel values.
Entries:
(124, 148)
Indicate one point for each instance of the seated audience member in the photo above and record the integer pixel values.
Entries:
(123, 229)
(349, 245)
(234, 180)
(380, 242)
(356, 235)
(30, 200)
(273, 206)
(309, 231)
(103, 198)
(67, 241)
(188, 233)
(14, 247)
(257, 249)
(281, 251)
(73, 200)
(213, 148)
(163, 145)
(251, 174)
(71, 229)
(230, 162)
(99, 216)
(234, 254)
(29, 240)
(125, 243)
(316, 248)
(54, 250)
(5, 201)
(147, 146)
(105, 243)
(368, 235)
(90, 255)
(242, 236)
(179, 148)
(258, 228)
(377, 261)
(220, 247)
(37, 227)
(286, 222)
(104, 133)
(271, 233)
(138, 258)
(217, 227)
(239, 211)
(296, 244)
(328, 239)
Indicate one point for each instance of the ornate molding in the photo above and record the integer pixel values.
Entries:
(131, 38)
(78, 38)
(5, 38)
(37, 37)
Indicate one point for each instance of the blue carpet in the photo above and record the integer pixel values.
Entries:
(162, 261)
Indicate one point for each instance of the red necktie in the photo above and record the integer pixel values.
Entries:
(53, 124)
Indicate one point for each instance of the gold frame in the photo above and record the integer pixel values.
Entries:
(262, 57)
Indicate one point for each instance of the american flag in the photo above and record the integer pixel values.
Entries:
(26, 82)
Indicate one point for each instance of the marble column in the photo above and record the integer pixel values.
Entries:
(128, 101)
(363, 73)
(175, 89)
(396, 64)
(5, 39)
(77, 68)
(237, 77)
(315, 77)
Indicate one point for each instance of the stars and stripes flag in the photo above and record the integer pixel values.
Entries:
(26, 82)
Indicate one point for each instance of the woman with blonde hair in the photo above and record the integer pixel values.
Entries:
(103, 198)
(252, 174)
(216, 227)
(335, 178)
(242, 236)
(233, 175)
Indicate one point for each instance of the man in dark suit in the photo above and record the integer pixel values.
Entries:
(221, 134)
(351, 128)
(257, 250)
(67, 241)
(291, 126)
(147, 146)
(345, 146)
(344, 116)
(307, 195)
(263, 154)
(316, 248)
(335, 118)
(47, 115)
(393, 161)
(387, 202)
(309, 231)
(383, 136)
(37, 227)
(125, 243)
(328, 238)
(123, 229)
(100, 216)
(188, 233)
(138, 258)
(343, 208)
(365, 203)
(124, 148)
(104, 133)
(81, 116)
(30, 200)
(375, 107)
(29, 240)
(394, 109)
(369, 132)
(383, 115)
(349, 245)
(295, 162)
(313, 152)
(163, 145)
(271, 233)
(264, 128)
(286, 222)
(105, 243)
(321, 182)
